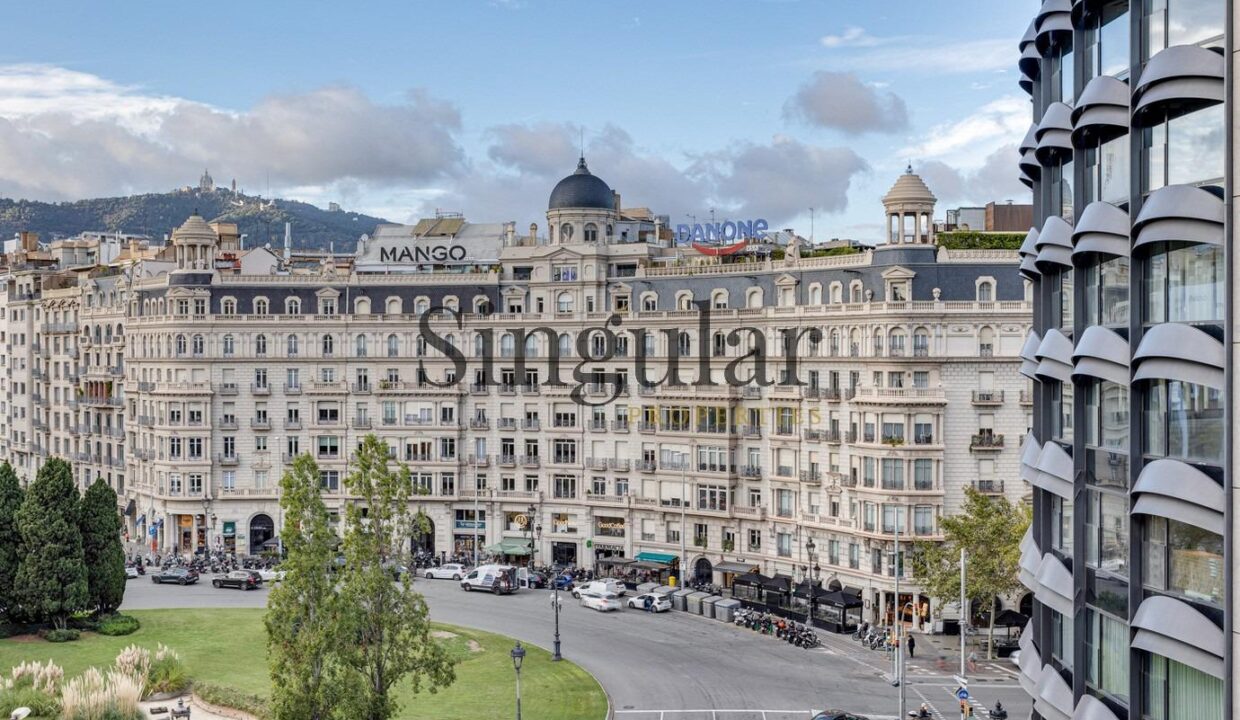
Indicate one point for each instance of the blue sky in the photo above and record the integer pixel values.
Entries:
(758, 108)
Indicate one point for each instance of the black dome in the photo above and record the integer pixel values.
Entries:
(581, 190)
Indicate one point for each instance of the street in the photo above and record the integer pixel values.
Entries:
(674, 666)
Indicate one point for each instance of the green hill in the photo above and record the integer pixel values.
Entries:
(157, 214)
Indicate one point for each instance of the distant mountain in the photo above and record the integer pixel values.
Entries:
(157, 214)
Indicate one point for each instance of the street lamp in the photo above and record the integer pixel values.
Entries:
(529, 526)
(555, 601)
(810, 552)
(518, 655)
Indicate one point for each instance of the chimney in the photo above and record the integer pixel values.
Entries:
(657, 224)
(510, 233)
(533, 234)
(616, 195)
(30, 241)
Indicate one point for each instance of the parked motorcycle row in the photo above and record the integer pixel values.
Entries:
(789, 631)
(215, 563)
(874, 637)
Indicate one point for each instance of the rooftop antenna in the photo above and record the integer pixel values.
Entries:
(582, 142)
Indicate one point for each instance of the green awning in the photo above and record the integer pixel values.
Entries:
(654, 557)
(510, 546)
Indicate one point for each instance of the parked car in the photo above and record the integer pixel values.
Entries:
(564, 582)
(601, 601)
(180, 576)
(256, 574)
(838, 715)
(536, 580)
(449, 571)
(271, 574)
(499, 579)
(240, 579)
(131, 572)
(610, 585)
(662, 603)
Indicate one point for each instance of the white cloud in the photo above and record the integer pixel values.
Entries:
(66, 134)
(851, 37)
(995, 179)
(937, 56)
(967, 142)
(842, 102)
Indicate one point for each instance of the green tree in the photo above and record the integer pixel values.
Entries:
(388, 630)
(100, 525)
(303, 610)
(10, 535)
(989, 529)
(51, 576)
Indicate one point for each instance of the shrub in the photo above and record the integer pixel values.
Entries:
(44, 678)
(232, 698)
(978, 240)
(62, 635)
(118, 625)
(33, 685)
(134, 661)
(95, 696)
(167, 673)
(40, 704)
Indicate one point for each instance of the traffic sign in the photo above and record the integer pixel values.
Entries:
(962, 693)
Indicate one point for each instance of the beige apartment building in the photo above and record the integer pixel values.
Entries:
(188, 377)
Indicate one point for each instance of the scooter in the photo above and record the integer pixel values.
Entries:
(997, 712)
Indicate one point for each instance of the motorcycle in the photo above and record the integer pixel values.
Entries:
(997, 712)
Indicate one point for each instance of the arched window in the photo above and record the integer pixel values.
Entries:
(228, 306)
(180, 344)
(260, 345)
(719, 299)
(986, 291)
(360, 346)
(837, 293)
(292, 306)
(855, 293)
(684, 343)
(650, 302)
(718, 344)
(291, 345)
(753, 298)
(564, 302)
(591, 233)
(507, 345)
(329, 345)
(878, 342)
(361, 306)
(684, 300)
(835, 343)
(921, 343)
(198, 346)
(854, 343)
(260, 306)
(452, 303)
(419, 346)
(393, 345)
(566, 233)
(228, 345)
(420, 306)
(986, 342)
(478, 345)
(531, 346)
(393, 306)
(648, 342)
(895, 343)
(482, 305)
(815, 294)
(566, 345)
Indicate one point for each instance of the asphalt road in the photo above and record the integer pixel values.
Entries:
(672, 666)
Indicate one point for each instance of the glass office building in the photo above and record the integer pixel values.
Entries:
(1129, 156)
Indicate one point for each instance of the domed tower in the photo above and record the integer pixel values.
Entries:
(910, 210)
(194, 244)
(582, 209)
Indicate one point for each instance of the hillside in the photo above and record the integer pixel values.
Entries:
(156, 214)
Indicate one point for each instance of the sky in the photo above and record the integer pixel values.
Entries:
(731, 108)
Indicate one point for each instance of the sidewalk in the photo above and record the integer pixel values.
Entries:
(940, 654)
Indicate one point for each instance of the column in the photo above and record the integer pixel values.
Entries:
(901, 230)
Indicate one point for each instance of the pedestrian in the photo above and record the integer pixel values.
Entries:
(649, 603)
(972, 661)
(912, 644)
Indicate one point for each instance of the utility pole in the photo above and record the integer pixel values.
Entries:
(684, 501)
(964, 613)
(476, 507)
(896, 620)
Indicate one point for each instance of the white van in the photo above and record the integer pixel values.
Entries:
(499, 579)
(605, 585)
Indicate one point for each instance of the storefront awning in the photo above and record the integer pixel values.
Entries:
(131, 507)
(510, 546)
(736, 567)
(614, 560)
(654, 557)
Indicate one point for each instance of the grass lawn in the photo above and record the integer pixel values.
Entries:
(228, 647)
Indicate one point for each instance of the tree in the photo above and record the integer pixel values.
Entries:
(989, 529)
(388, 631)
(100, 525)
(10, 536)
(51, 576)
(303, 611)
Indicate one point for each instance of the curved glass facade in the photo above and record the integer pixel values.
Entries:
(1145, 306)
